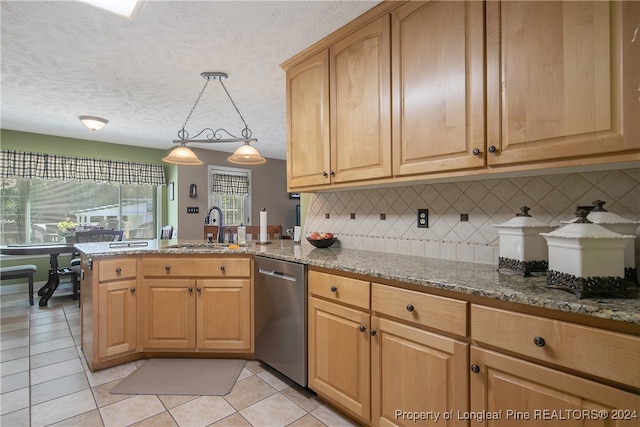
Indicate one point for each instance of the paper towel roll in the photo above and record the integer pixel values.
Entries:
(296, 234)
(263, 225)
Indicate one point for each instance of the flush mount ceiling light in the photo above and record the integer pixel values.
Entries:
(92, 122)
(245, 155)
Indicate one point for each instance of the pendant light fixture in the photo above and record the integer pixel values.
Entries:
(244, 155)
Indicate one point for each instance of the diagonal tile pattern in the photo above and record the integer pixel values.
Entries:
(44, 382)
(488, 201)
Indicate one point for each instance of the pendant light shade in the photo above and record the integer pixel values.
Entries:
(182, 155)
(245, 155)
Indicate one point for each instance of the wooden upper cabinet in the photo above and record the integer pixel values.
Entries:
(438, 86)
(558, 76)
(360, 87)
(308, 122)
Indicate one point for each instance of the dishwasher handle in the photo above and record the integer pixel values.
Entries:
(278, 274)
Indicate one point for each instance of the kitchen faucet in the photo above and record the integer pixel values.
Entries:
(220, 237)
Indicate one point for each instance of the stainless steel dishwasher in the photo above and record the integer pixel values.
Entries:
(280, 303)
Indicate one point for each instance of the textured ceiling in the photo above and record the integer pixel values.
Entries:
(62, 59)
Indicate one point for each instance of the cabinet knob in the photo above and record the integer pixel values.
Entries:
(133, 290)
(190, 290)
(325, 174)
(167, 267)
(410, 307)
(539, 341)
(332, 173)
(492, 149)
(334, 289)
(362, 328)
(475, 369)
(476, 151)
(118, 270)
(222, 268)
(372, 332)
(199, 290)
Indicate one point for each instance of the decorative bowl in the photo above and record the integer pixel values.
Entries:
(322, 243)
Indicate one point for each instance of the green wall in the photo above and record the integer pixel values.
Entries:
(33, 142)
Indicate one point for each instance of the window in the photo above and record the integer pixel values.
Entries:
(45, 197)
(230, 191)
(37, 210)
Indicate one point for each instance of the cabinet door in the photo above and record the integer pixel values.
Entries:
(117, 318)
(339, 355)
(417, 371)
(526, 394)
(558, 75)
(224, 314)
(168, 314)
(308, 122)
(360, 76)
(438, 69)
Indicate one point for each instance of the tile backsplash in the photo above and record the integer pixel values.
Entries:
(355, 216)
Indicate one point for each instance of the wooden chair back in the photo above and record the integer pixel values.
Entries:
(274, 232)
(87, 236)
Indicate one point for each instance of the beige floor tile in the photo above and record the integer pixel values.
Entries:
(56, 370)
(163, 419)
(332, 418)
(307, 421)
(59, 387)
(235, 420)
(14, 366)
(275, 379)
(52, 345)
(16, 333)
(46, 320)
(172, 401)
(104, 398)
(16, 419)
(51, 357)
(202, 411)
(131, 410)
(255, 366)
(301, 397)
(274, 411)
(53, 411)
(14, 353)
(14, 325)
(15, 343)
(35, 330)
(110, 374)
(14, 382)
(245, 373)
(14, 400)
(88, 419)
(50, 335)
(248, 392)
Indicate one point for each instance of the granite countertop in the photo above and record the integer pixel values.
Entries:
(464, 277)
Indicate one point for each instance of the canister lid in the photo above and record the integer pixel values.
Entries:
(599, 215)
(523, 219)
(582, 227)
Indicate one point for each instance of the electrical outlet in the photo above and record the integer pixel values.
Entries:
(423, 218)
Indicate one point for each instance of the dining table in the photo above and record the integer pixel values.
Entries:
(51, 249)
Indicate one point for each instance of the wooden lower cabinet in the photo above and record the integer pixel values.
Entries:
(117, 323)
(417, 372)
(516, 392)
(200, 314)
(339, 355)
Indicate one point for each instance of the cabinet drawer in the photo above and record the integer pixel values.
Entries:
(432, 311)
(338, 288)
(196, 267)
(117, 268)
(597, 352)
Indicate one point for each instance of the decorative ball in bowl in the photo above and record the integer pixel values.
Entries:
(321, 240)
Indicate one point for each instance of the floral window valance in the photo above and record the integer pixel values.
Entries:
(52, 166)
(236, 185)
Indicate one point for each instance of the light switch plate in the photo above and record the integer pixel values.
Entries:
(193, 209)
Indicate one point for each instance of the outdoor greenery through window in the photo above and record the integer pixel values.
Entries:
(46, 210)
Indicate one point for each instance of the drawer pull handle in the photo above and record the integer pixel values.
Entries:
(167, 267)
(334, 289)
(222, 268)
(539, 341)
(372, 332)
(410, 308)
(133, 290)
(475, 369)
(118, 270)
(362, 328)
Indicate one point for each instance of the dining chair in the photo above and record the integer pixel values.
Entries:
(89, 236)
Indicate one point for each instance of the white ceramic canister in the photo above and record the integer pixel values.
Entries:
(522, 248)
(588, 259)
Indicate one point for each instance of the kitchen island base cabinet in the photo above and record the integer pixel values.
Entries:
(516, 392)
(117, 324)
(417, 372)
(339, 355)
